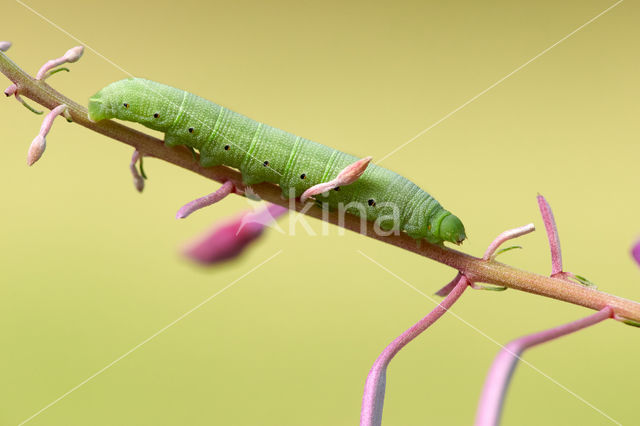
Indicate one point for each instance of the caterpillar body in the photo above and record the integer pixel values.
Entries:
(264, 153)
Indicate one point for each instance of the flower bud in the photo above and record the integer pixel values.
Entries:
(347, 176)
(36, 149)
(73, 54)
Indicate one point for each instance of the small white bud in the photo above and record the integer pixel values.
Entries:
(4, 46)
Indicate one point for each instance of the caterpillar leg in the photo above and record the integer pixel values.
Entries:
(226, 189)
(4, 46)
(347, 176)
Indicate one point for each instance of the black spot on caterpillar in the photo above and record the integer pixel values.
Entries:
(295, 164)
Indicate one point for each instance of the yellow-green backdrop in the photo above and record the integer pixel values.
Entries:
(90, 268)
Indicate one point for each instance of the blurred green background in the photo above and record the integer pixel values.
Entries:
(90, 268)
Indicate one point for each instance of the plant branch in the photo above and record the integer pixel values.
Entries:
(476, 269)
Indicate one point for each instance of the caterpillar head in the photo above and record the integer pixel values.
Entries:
(451, 229)
(101, 105)
(120, 100)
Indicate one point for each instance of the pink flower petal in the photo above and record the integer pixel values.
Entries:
(230, 239)
(635, 252)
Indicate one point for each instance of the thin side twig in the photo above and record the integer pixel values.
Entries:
(552, 234)
(505, 236)
(373, 397)
(497, 382)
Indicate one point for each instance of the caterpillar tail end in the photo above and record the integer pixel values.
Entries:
(452, 230)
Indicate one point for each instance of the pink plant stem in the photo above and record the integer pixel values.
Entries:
(447, 288)
(48, 120)
(552, 234)
(497, 382)
(199, 203)
(373, 398)
(505, 236)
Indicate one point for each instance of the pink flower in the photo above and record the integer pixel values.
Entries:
(230, 239)
(635, 252)
(36, 149)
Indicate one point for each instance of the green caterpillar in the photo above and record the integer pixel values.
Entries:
(264, 153)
